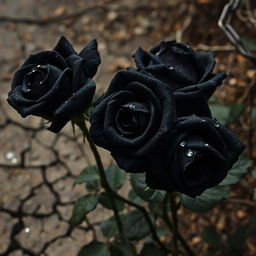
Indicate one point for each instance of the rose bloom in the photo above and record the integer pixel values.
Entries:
(133, 119)
(57, 84)
(187, 72)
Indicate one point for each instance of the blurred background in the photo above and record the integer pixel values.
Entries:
(37, 167)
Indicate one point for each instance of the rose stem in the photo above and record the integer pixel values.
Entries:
(116, 195)
(174, 223)
(166, 219)
(103, 178)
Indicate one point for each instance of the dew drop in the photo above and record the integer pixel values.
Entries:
(182, 144)
(216, 122)
(189, 153)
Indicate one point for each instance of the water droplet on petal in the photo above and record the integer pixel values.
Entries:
(182, 144)
(189, 153)
(216, 122)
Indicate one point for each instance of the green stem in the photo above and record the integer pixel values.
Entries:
(114, 194)
(103, 178)
(166, 219)
(174, 223)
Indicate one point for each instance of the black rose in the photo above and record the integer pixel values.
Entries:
(198, 156)
(56, 84)
(133, 119)
(188, 73)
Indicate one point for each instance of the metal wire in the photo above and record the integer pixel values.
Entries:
(225, 24)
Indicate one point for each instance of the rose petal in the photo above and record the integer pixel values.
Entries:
(64, 47)
(92, 58)
(73, 106)
(206, 62)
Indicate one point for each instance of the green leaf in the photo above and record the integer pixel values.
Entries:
(132, 196)
(94, 248)
(220, 112)
(84, 205)
(88, 174)
(109, 227)
(237, 172)
(207, 200)
(143, 191)
(151, 249)
(211, 236)
(104, 200)
(236, 110)
(135, 225)
(122, 249)
(115, 176)
(227, 114)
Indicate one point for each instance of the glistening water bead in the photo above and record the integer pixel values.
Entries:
(189, 153)
(182, 144)
(132, 106)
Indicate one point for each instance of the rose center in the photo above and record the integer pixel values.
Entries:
(34, 81)
(196, 172)
(132, 119)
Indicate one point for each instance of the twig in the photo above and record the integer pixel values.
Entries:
(215, 48)
(170, 226)
(240, 201)
(94, 8)
(185, 25)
